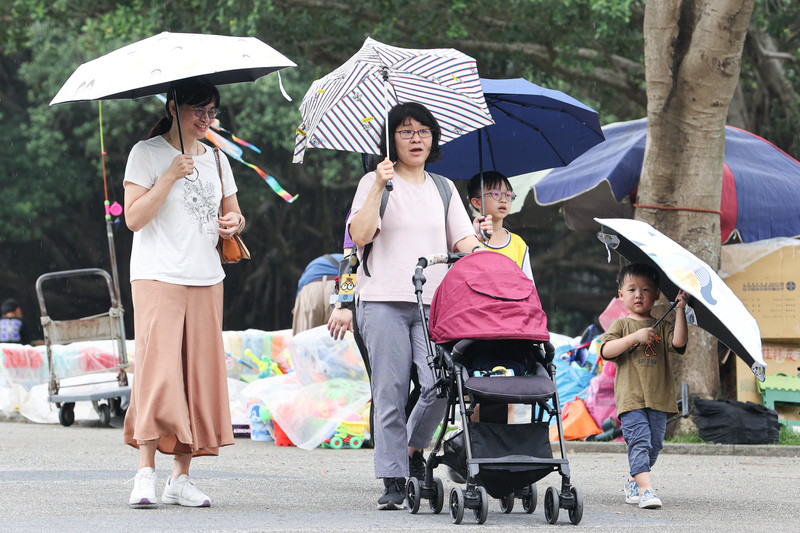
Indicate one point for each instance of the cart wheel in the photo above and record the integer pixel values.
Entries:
(576, 512)
(104, 411)
(355, 443)
(457, 505)
(507, 503)
(116, 407)
(482, 511)
(437, 502)
(336, 443)
(66, 414)
(529, 499)
(551, 505)
(413, 495)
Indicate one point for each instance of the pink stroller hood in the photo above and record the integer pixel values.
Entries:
(484, 296)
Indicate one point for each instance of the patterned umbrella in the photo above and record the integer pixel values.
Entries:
(715, 307)
(346, 109)
(148, 67)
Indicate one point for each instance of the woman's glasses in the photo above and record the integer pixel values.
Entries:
(497, 195)
(409, 134)
(200, 112)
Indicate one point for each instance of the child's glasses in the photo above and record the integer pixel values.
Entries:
(497, 195)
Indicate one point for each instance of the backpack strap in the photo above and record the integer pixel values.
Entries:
(444, 191)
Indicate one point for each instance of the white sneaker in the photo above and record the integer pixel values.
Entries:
(181, 491)
(144, 488)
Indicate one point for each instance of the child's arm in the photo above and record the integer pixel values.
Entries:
(680, 335)
(615, 348)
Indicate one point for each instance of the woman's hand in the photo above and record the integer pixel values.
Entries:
(230, 224)
(340, 322)
(182, 166)
(384, 171)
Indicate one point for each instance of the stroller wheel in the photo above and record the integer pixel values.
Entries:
(437, 502)
(551, 505)
(529, 499)
(576, 512)
(413, 495)
(507, 503)
(482, 511)
(457, 505)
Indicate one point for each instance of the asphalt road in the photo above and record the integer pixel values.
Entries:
(72, 479)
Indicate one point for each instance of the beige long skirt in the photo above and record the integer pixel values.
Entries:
(180, 388)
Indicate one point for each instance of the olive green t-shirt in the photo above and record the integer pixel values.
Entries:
(644, 373)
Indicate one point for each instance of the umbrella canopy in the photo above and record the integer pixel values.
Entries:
(346, 109)
(760, 184)
(716, 309)
(534, 129)
(149, 66)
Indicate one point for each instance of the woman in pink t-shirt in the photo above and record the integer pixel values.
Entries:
(413, 225)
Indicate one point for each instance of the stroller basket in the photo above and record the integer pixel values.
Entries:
(520, 447)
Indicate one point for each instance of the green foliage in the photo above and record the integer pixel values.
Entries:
(788, 437)
(52, 172)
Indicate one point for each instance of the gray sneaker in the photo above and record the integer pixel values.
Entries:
(144, 488)
(181, 491)
(394, 496)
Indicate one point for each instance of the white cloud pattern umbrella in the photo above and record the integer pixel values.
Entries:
(716, 308)
(148, 67)
(346, 109)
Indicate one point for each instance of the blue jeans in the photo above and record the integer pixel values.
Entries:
(643, 431)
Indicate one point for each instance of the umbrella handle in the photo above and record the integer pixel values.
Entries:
(662, 318)
(385, 71)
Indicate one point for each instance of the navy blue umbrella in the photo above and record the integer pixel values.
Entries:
(535, 128)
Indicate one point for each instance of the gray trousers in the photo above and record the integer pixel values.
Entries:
(393, 335)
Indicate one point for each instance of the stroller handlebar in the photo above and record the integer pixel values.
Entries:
(437, 259)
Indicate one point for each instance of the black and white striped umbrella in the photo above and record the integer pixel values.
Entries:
(346, 109)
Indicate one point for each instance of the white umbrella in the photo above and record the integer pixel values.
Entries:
(149, 66)
(716, 308)
(346, 109)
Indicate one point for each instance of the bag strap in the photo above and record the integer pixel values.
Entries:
(444, 191)
(221, 184)
(332, 260)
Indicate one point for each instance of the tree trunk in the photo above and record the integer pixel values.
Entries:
(693, 50)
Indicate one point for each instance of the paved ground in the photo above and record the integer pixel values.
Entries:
(60, 479)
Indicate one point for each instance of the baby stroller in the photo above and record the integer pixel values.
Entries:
(491, 347)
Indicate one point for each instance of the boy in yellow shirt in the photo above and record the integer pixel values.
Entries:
(644, 388)
(497, 197)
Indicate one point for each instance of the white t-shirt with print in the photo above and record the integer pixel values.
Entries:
(179, 245)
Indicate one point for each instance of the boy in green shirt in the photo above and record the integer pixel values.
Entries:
(644, 389)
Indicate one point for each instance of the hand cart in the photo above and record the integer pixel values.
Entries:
(105, 326)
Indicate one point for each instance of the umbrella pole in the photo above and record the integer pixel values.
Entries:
(486, 235)
(109, 230)
(177, 115)
(665, 314)
(385, 72)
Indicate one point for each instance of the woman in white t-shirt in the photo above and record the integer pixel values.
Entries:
(179, 403)
(413, 225)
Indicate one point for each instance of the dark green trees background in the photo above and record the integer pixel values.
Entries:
(52, 215)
